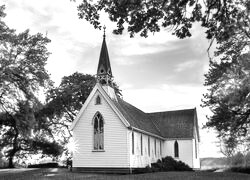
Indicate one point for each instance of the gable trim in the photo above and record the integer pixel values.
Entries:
(106, 96)
(98, 87)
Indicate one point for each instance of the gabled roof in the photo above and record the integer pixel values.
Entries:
(168, 124)
(175, 124)
(136, 117)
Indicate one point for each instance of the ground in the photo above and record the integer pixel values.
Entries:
(62, 174)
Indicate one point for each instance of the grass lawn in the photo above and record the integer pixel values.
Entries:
(62, 174)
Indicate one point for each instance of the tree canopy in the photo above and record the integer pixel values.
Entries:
(220, 17)
(22, 74)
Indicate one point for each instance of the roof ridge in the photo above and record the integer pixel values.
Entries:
(170, 111)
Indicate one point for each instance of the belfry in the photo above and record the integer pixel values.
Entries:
(104, 73)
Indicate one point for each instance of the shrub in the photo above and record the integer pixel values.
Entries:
(240, 169)
(44, 165)
(170, 164)
(237, 160)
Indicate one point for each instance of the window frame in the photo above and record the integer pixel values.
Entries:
(98, 100)
(148, 145)
(100, 122)
(133, 143)
(155, 147)
(176, 149)
(141, 145)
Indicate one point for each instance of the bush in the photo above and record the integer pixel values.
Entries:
(237, 160)
(45, 165)
(240, 169)
(169, 164)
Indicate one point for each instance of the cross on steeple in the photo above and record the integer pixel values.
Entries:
(104, 73)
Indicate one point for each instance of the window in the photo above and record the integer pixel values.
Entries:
(160, 148)
(195, 148)
(98, 100)
(133, 143)
(141, 145)
(148, 145)
(155, 146)
(176, 149)
(98, 132)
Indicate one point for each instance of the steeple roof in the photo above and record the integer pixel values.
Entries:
(104, 67)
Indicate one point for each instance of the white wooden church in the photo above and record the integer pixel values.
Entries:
(112, 135)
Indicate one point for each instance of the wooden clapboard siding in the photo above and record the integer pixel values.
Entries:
(185, 150)
(115, 138)
(139, 161)
(196, 158)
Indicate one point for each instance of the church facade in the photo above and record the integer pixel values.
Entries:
(112, 135)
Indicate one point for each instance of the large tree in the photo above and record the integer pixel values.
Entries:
(22, 74)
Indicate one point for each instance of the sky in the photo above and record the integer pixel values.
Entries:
(158, 73)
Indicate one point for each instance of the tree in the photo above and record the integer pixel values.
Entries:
(220, 17)
(22, 75)
(63, 102)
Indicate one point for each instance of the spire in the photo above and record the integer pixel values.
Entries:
(104, 73)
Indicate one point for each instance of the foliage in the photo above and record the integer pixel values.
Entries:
(22, 74)
(63, 103)
(218, 16)
(228, 81)
(237, 160)
(170, 164)
(228, 145)
(44, 165)
(239, 169)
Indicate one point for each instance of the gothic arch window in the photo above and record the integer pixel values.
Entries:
(148, 146)
(141, 145)
(160, 148)
(176, 149)
(98, 100)
(195, 148)
(155, 147)
(133, 143)
(98, 132)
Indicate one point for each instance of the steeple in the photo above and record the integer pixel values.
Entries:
(104, 73)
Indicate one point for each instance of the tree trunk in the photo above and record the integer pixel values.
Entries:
(11, 165)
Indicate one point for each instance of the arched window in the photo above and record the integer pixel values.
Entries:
(176, 149)
(141, 145)
(133, 143)
(148, 146)
(160, 148)
(98, 132)
(98, 100)
(195, 148)
(155, 147)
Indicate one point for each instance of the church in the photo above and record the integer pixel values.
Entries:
(112, 135)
